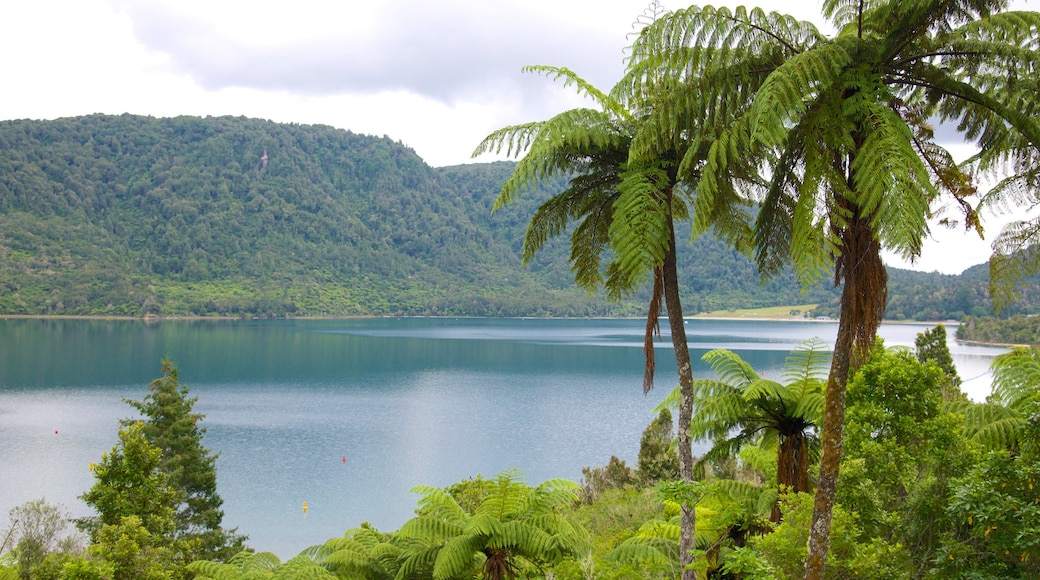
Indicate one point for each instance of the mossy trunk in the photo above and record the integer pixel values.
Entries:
(863, 299)
(677, 327)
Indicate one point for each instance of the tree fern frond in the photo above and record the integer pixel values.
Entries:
(783, 97)
(585, 88)
(429, 529)
(808, 361)
(888, 162)
(639, 232)
(729, 367)
(457, 559)
(763, 392)
(994, 425)
(418, 564)
(1016, 256)
(639, 552)
(302, 568)
(438, 503)
(1016, 377)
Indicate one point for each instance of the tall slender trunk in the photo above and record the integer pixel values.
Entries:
(863, 298)
(682, 362)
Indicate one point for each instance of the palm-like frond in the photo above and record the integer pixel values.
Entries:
(806, 363)
(1016, 377)
(730, 368)
(640, 229)
(1016, 256)
(993, 425)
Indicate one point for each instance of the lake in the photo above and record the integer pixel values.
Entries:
(349, 415)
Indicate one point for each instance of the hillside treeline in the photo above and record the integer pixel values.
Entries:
(130, 215)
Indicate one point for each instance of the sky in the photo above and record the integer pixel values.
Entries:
(436, 75)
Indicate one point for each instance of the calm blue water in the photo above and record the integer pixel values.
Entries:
(349, 415)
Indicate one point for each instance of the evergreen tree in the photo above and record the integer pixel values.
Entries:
(172, 425)
(931, 346)
(657, 457)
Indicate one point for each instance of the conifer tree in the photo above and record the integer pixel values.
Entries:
(931, 346)
(172, 425)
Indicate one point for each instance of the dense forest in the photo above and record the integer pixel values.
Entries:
(1018, 330)
(130, 215)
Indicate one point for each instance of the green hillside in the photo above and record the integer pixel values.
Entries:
(130, 215)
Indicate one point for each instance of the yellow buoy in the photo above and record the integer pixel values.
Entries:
(304, 507)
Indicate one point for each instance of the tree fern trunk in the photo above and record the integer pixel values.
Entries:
(863, 299)
(682, 362)
(831, 435)
(792, 468)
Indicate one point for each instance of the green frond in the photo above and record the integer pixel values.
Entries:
(585, 88)
(302, 569)
(783, 97)
(387, 556)
(417, 564)
(740, 492)
(429, 529)
(807, 362)
(809, 405)
(558, 146)
(689, 39)
(513, 140)
(506, 496)
(483, 525)
(886, 163)
(638, 552)
(1016, 377)
(729, 367)
(1016, 256)
(670, 401)
(763, 392)
(1012, 193)
(588, 243)
(438, 503)
(993, 425)
(659, 530)
(458, 557)
(214, 570)
(640, 232)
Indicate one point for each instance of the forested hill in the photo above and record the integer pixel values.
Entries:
(129, 215)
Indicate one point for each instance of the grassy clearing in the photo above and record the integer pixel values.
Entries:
(796, 312)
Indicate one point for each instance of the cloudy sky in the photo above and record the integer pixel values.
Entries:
(437, 75)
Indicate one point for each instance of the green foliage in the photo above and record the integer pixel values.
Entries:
(658, 459)
(129, 481)
(516, 529)
(134, 529)
(615, 517)
(996, 506)
(931, 347)
(171, 424)
(782, 553)
(39, 537)
(741, 408)
(902, 450)
(336, 224)
(1014, 330)
(997, 423)
(614, 475)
